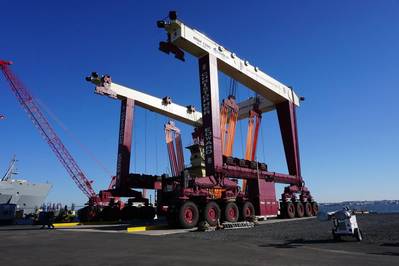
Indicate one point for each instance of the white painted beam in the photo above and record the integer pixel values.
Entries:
(172, 110)
(198, 44)
(246, 106)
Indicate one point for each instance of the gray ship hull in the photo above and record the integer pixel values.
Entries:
(27, 196)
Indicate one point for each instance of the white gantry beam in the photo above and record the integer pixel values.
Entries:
(246, 106)
(184, 114)
(164, 106)
(198, 44)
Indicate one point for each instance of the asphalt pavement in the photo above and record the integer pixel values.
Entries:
(305, 242)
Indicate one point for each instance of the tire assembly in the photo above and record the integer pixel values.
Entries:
(290, 210)
(146, 212)
(110, 213)
(315, 207)
(300, 209)
(171, 217)
(308, 209)
(89, 214)
(231, 212)
(247, 211)
(129, 213)
(211, 213)
(188, 215)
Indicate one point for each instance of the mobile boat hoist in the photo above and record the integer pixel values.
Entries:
(208, 189)
(216, 193)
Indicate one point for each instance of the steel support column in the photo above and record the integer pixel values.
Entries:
(124, 147)
(288, 126)
(208, 72)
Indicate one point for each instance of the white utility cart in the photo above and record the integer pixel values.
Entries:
(344, 223)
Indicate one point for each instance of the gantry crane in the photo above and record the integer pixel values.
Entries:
(209, 189)
(213, 57)
(212, 192)
(130, 98)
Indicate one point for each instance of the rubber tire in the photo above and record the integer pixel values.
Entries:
(299, 209)
(358, 234)
(171, 217)
(110, 214)
(227, 215)
(308, 209)
(88, 214)
(183, 221)
(147, 212)
(208, 207)
(290, 210)
(247, 206)
(129, 213)
(315, 208)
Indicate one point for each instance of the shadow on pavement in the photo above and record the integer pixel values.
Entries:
(104, 228)
(390, 244)
(387, 253)
(22, 229)
(299, 242)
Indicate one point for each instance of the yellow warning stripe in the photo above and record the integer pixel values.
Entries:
(66, 224)
(146, 228)
(86, 223)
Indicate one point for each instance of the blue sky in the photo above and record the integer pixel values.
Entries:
(341, 55)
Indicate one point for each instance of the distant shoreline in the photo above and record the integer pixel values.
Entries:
(381, 206)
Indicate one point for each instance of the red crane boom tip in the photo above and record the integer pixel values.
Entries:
(4, 62)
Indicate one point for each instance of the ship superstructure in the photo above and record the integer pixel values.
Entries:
(26, 195)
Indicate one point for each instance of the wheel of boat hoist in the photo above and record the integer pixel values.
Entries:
(231, 212)
(247, 211)
(171, 217)
(129, 213)
(147, 212)
(110, 214)
(300, 210)
(308, 209)
(188, 215)
(212, 213)
(315, 207)
(88, 214)
(290, 210)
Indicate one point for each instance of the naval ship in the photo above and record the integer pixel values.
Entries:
(25, 195)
